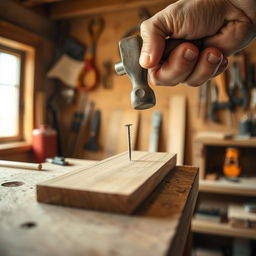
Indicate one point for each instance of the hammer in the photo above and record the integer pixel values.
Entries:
(142, 96)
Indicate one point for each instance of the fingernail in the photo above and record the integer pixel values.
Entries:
(190, 55)
(144, 59)
(213, 59)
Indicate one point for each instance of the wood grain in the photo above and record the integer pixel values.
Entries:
(159, 226)
(114, 184)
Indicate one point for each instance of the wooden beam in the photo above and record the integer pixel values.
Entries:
(76, 8)
(38, 2)
(22, 17)
(115, 184)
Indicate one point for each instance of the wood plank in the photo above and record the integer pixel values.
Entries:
(77, 8)
(114, 184)
(159, 226)
(177, 123)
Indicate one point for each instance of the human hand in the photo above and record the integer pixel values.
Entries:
(226, 26)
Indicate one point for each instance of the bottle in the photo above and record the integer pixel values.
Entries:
(44, 143)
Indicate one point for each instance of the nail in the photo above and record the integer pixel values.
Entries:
(213, 59)
(190, 55)
(144, 59)
(129, 140)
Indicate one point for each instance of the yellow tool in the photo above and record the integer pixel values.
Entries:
(231, 166)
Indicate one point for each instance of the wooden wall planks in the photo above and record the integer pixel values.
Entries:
(115, 184)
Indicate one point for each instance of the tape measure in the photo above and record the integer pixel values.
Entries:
(231, 166)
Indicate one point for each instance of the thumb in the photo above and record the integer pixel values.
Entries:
(153, 33)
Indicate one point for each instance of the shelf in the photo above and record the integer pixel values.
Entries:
(223, 229)
(251, 142)
(246, 186)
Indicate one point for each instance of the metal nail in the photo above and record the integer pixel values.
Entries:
(129, 140)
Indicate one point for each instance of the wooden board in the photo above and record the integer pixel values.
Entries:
(158, 227)
(177, 123)
(114, 184)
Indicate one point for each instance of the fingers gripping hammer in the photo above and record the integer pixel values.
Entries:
(142, 96)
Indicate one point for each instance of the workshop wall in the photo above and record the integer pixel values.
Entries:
(107, 100)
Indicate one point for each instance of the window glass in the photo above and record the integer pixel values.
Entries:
(9, 94)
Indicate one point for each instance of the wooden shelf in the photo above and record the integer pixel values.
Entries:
(245, 186)
(223, 229)
(251, 142)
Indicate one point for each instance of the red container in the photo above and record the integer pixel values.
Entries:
(44, 143)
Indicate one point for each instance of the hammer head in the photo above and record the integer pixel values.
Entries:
(142, 96)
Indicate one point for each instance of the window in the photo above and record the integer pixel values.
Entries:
(17, 68)
(11, 112)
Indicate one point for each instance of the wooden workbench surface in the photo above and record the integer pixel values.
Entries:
(159, 227)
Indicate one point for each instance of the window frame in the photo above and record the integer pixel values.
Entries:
(22, 55)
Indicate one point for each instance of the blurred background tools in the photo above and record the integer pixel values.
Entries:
(231, 168)
(155, 131)
(92, 142)
(220, 100)
(59, 160)
(75, 125)
(69, 62)
(107, 76)
(237, 89)
(88, 76)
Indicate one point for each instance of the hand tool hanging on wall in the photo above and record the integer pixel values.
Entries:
(88, 76)
(83, 128)
(68, 61)
(92, 143)
(203, 100)
(237, 90)
(107, 76)
(252, 86)
(223, 99)
(75, 126)
(142, 96)
(214, 104)
(155, 131)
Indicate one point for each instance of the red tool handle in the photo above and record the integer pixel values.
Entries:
(87, 78)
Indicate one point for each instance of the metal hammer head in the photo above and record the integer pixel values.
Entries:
(142, 96)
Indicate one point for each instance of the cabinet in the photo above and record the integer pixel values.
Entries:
(209, 155)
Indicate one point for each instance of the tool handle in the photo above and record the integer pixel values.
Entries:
(20, 165)
(221, 85)
(87, 78)
(95, 123)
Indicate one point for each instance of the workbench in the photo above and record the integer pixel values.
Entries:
(160, 226)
